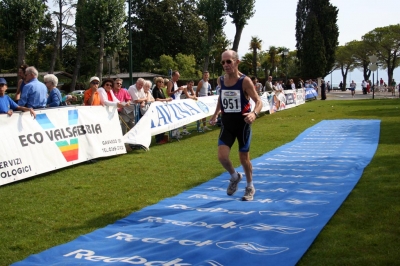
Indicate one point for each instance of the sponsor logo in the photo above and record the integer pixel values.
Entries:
(169, 240)
(83, 254)
(290, 214)
(184, 207)
(230, 93)
(230, 225)
(252, 248)
(203, 107)
(66, 138)
(273, 228)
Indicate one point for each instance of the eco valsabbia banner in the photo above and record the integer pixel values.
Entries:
(58, 137)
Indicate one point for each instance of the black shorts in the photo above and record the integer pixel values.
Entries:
(234, 127)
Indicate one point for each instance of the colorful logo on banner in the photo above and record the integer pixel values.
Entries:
(68, 150)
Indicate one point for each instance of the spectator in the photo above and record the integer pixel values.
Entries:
(164, 87)
(126, 114)
(158, 95)
(92, 96)
(34, 93)
(257, 85)
(323, 90)
(202, 91)
(144, 105)
(393, 87)
(173, 90)
(328, 86)
(292, 85)
(54, 99)
(381, 82)
(107, 97)
(175, 93)
(67, 99)
(7, 105)
(364, 86)
(353, 86)
(189, 94)
(21, 81)
(136, 91)
(300, 84)
(341, 85)
(268, 85)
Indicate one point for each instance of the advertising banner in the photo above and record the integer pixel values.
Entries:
(57, 138)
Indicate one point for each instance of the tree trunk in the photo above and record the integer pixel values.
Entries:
(254, 61)
(80, 48)
(21, 47)
(60, 6)
(55, 51)
(101, 56)
(238, 34)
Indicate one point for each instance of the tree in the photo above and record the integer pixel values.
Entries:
(361, 53)
(168, 27)
(106, 27)
(212, 12)
(386, 42)
(345, 60)
(246, 63)
(255, 45)
(240, 11)
(23, 18)
(323, 17)
(313, 60)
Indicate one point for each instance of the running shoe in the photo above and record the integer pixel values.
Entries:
(249, 194)
(233, 185)
(185, 132)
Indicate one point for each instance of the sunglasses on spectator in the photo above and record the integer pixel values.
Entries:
(107, 84)
(226, 61)
(118, 83)
(95, 82)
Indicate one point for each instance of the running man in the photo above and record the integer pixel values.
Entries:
(237, 117)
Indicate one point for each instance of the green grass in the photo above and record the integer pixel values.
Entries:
(57, 207)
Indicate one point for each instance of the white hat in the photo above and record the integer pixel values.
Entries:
(94, 78)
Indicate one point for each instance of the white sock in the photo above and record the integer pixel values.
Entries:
(250, 184)
(235, 175)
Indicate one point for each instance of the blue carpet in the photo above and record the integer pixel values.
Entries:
(299, 188)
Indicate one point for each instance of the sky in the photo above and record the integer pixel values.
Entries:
(274, 23)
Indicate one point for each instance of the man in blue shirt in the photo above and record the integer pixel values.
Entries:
(7, 105)
(34, 94)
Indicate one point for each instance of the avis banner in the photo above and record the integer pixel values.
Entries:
(57, 138)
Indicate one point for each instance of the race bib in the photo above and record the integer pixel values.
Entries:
(231, 101)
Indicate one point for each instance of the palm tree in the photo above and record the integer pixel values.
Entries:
(255, 44)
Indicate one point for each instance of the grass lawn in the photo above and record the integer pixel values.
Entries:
(57, 207)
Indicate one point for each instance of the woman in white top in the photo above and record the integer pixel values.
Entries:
(107, 96)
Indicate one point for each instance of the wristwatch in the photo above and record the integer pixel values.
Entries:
(255, 113)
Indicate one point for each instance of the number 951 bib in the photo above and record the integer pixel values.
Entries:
(231, 101)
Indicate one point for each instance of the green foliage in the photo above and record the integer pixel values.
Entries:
(22, 19)
(240, 11)
(313, 61)
(167, 63)
(168, 27)
(213, 13)
(316, 23)
(187, 66)
(385, 41)
(255, 45)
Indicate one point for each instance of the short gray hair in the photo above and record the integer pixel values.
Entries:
(147, 83)
(32, 70)
(51, 78)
